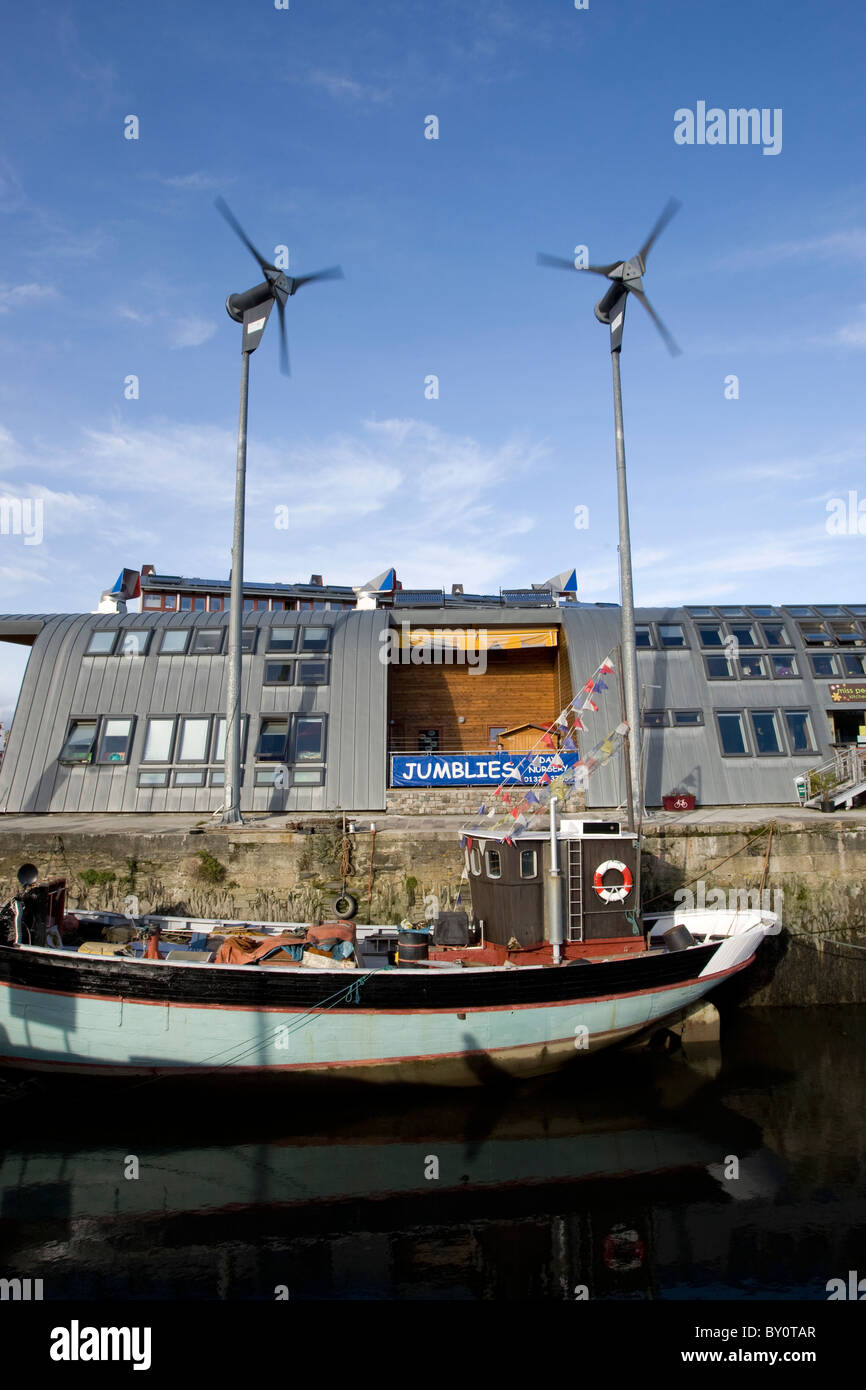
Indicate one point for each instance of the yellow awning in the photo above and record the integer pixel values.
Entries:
(480, 639)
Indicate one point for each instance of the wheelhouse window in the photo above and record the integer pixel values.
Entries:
(192, 745)
(158, 739)
(783, 666)
(493, 863)
(474, 862)
(273, 737)
(775, 635)
(174, 642)
(751, 667)
(114, 741)
(528, 863)
(309, 739)
(78, 747)
(671, 635)
(731, 733)
(765, 725)
(710, 635)
(718, 668)
(687, 718)
(282, 639)
(315, 639)
(800, 733)
(101, 644)
(207, 640)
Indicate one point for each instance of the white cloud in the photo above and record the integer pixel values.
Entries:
(339, 86)
(197, 182)
(192, 331)
(18, 296)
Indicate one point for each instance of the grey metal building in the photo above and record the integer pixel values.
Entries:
(126, 713)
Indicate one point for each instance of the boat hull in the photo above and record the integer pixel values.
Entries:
(103, 1016)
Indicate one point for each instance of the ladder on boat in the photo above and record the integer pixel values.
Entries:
(575, 890)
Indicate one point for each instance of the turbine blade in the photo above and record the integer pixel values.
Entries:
(561, 263)
(333, 272)
(671, 206)
(222, 206)
(284, 346)
(670, 344)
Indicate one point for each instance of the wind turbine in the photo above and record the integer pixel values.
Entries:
(252, 309)
(626, 277)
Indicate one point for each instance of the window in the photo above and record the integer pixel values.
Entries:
(309, 739)
(248, 639)
(528, 863)
(282, 639)
(687, 718)
(207, 639)
(823, 665)
(315, 639)
(169, 601)
(115, 741)
(731, 611)
(830, 610)
(751, 667)
(744, 634)
(700, 612)
(219, 738)
(718, 668)
(132, 642)
(187, 777)
(642, 635)
(731, 733)
(100, 644)
(269, 777)
(852, 665)
(308, 776)
(474, 861)
(215, 604)
(313, 672)
(848, 634)
(273, 739)
(192, 746)
(151, 601)
(783, 666)
(858, 608)
(428, 740)
(249, 605)
(279, 672)
(494, 731)
(78, 747)
(775, 635)
(710, 634)
(800, 731)
(218, 778)
(766, 727)
(763, 610)
(654, 718)
(799, 612)
(174, 641)
(816, 634)
(493, 863)
(158, 740)
(671, 635)
(153, 778)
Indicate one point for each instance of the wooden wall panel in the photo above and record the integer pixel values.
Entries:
(518, 687)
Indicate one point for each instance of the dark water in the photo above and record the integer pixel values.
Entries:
(617, 1178)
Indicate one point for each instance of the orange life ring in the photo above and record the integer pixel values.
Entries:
(621, 891)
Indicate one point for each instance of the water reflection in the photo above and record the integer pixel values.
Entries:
(632, 1176)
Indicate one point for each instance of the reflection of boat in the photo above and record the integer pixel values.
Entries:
(558, 966)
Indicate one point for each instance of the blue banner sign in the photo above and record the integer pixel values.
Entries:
(474, 769)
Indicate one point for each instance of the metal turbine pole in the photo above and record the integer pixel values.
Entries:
(232, 802)
(629, 654)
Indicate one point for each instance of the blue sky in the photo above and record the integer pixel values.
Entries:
(556, 128)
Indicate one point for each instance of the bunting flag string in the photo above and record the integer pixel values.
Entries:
(508, 817)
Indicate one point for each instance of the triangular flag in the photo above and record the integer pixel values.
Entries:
(547, 741)
(569, 744)
(606, 668)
